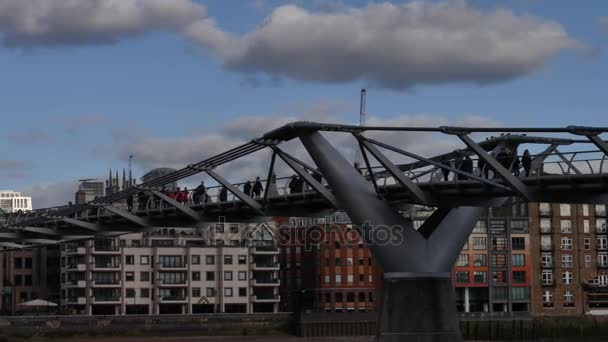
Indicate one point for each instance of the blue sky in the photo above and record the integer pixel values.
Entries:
(72, 108)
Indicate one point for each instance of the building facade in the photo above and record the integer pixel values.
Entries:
(88, 190)
(13, 201)
(570, 259)
(26, 275)
(327, 268)
(157, 173)
(225, 268)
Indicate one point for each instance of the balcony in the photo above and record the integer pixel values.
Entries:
(104, 249)
(266, 282)
(266, 299)
(106, 300)
(173, 283)
(75, 250)
(106, 283)
(76, 267)
(75, 283)
(105, 266)
(265, 251)
(173, 299)
(173, 266)
(266, 267)
(76, 301)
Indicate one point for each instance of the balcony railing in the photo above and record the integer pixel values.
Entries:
(173, 265)
(106, 298)
(106, 281)
(106, 248)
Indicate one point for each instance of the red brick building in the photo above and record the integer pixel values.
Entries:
(327, 268)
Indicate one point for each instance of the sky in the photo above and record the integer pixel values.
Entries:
(85, 84)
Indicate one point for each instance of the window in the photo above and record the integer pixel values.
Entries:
(144, 276)
(361, 278)
(196, 292)
(28, 263)
(18, 263)
(361, 261)
(210, 276)
(242, 292)
(228, 275)
(144, 259)
(480, 277)
(520, 293)
(466, 246)
(196, 276)
(548, 298)
(545, 225)
(585, 209)
(499, 277)
(567, 277)
(587, 242)
(546, 243)
(234, 228)
(242, 259)
(242, 275)
(602, 259)
(462, 277)
(600, 225)
(210, 260)
(463, 260)
(567, 260)
(568, 298)
(602, 243)
(337, 262)
(566, 243)
(349, 278)
(600, 210)
(480, 228)
(196, 260)
(518, 243)
(547, 277)
(587, 260)
(586, 226)
(228, 292)
(349, 261)
(327, 279)
(129, 276)
(129, 259)
(564, 209)
(227, 259)
(518, 260)
(27, 280)
(362, 296)
(210, 292)
(519, 276)
(544, 209)
(566, 226)
(499, 243)
(130, 293)
(338, 278)
(519, 226)
(479, 243)
(144, 293)
(480, 260)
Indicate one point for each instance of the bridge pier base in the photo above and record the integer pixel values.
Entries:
(418, 309)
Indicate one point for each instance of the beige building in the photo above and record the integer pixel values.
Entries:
(225, 268)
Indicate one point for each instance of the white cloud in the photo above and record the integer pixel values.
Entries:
(50, 194)
(25, 23)
(603, 22)
(393, 45)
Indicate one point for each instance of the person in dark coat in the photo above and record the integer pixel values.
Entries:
(223, 196)
(299, 184)
(257, 187)
(526, 160)
(482, 167)
(466, 166)
(293, 184)
(142, 200)
(130, 203)
(247, 188)
(445, 171)
(199, 193)
(515, 165)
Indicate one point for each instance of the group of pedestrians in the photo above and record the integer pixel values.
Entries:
(507, 158)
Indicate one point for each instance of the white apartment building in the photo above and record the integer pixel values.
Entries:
(227, 267)
(12, 201)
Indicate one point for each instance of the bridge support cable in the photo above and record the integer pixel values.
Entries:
(571, 166)
(370, 171)
(80, 224)
(183, 208)
(127, 216)
(513, 181)
(437, 164)
(421, 196)
(238, 193)
(417, 300)
(308, 178)
(270, 178)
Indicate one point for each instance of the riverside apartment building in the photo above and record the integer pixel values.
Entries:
(227, 267)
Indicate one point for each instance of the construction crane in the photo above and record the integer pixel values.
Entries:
(361, 123)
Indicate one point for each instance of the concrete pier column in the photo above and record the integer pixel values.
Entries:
(418, 309)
